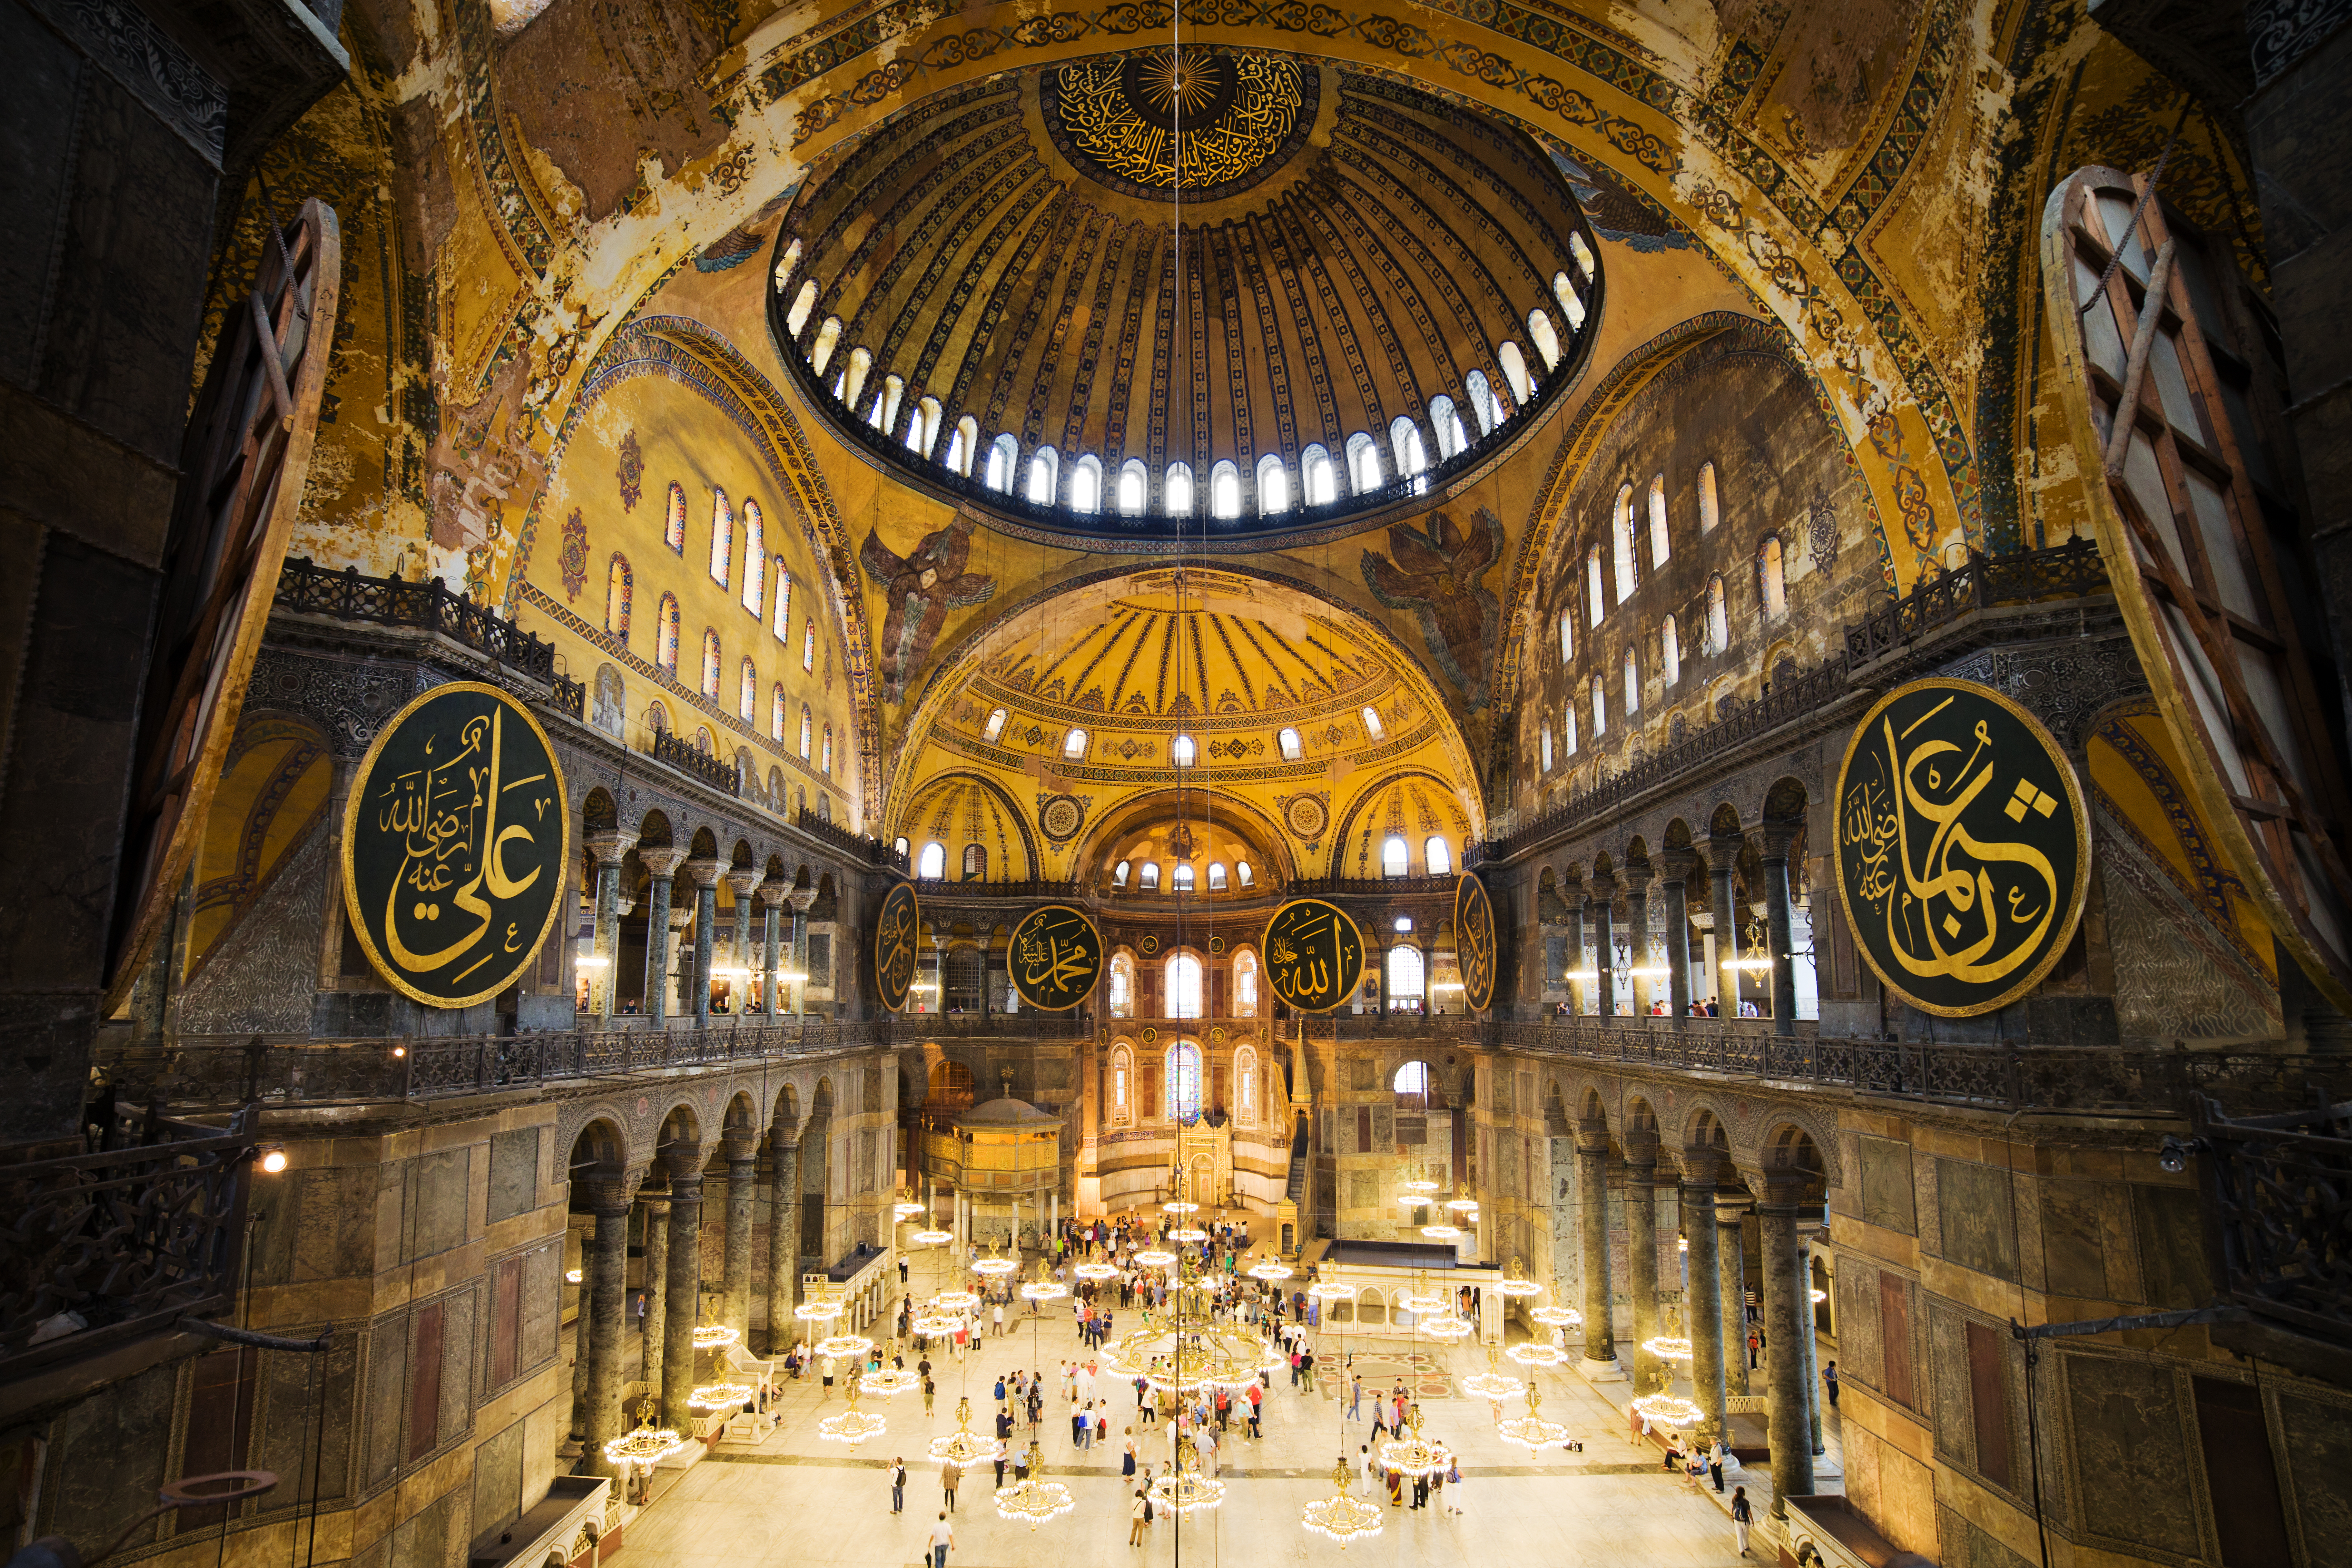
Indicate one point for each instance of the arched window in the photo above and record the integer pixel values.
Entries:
(777, 709)
(1768, 569)
(1709, 512)
(826, 764)
(1216, 876)
(1596, 603)
(657, 717)
(1074, 745)
(1243, 874)
(1718, 617)
(1225, 490)
(828, 338)
(803, 304)
(1545, 754)
(996, 717)
(1122, 985)
(674, 520)
(1272, 484)
(963, 448)
(1044, 475)
(783, 603)
(1319, 481)
(1244, 1080)
(1515, 373)
(1563, 293)
(861, 365)
(808, 722)
(1405, 985)
(710, 662)
(1567, 716)
(1405, 441)
(1183, 879)
(1372, 726)
(1411, 1085)
(1176, 493)
(1122, 1067)
(755, 559)
(923, 429)
(1437, 857)
(1179, 750)
(1660, 545)
(1134, 487)
(808, 645)
(1545, 340)
(1149, 878)
(1003, 456)
(746, 692)
(1085, 484)
(897, 846)
(933, 867)
(885, 417)
(1446, 425)
(1395, 857)
(1184, 984)
(1363, 463)
(1566, 637)
(620, 589)
(1622, 532)
(1244, 984)
(1482, 402)
(975, 862)
(1184, 1075)
(1599, 707)
(1670, 651)
(1633, 682)
(1119, 874)
(1289, 742)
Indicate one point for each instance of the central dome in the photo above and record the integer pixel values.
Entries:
(1237, 296)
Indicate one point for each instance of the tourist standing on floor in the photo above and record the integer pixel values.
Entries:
(897, 1486)
(1139, 1514)
(1829, 1378)
(950, 1473)
(1742, 1517)
(942, 1541)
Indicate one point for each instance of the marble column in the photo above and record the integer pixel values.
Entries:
(1636, 876)
(742, 1182)
(605, 1269)
(607, 847)
(1577, 989)
(1730, 1233)
(803, 900)
(661, 864)
(784, 1233)
(704, 873)
(771, 896)
(1600, 889)
(1674, 892)
(1809, 1337)
(1593, 1194)
(1792, 1436)
(654, 1201)
(1722, 863)
(1774, 852)
(1703, 1291)
(685, 1289)
(741, 881)
(1642, 1255)
(580, 1329)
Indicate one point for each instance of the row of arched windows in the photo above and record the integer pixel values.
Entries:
(1182, 751)
(1182, 991)
(1147, 877)
(1180, 1087)
(815, 746)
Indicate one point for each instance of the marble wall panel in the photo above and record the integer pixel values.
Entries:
(1887, 1198)
(2073, 1238)
(497, 1478)
(2124, 1418)
(2318, 1464)
(111, 1449)
(2171, 1235)
(1977, 1229)
(514, 1172)
(438, 1198)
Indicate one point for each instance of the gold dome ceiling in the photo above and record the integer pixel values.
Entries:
(1370, 292)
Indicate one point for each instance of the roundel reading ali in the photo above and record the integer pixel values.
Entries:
(1963, 847)
(894, 946)
(1056, 957)
(1473, 941)
(454, 845)
(1314, 954)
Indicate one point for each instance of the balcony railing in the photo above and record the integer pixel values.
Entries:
(713, 773)
(427, 607)
(870, 851)
(1372, 887)
(2278, 1189)
(1023, 890)
(101, 1249)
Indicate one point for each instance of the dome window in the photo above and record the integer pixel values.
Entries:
(1547, 342)
(1002, 458)
(1515, 373)
(1289, 742)
(1044, 475)
(1670, 650)
(995, 726)
(1183, 879)
(1074, 745)
(1085, 484)
(1404, 439)
(933, 867)
(1119, 874)
(1483, 406)
(1563, 293)
(1150, 881)
(1363, 463)
(1134, 483)
(1176, 495)
(1179, 750)
(1373, 727)
(1272, 484)
(1583, 254)
(803, 304)
(1437, 857)
(828, 338)
(1241, 873)
(1320, 484)
(1225, 490)
(1216, 876)
(1452, 439)
(1395, 859)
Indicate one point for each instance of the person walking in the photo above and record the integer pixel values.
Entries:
(897, 1486)
(1715, 1465)
(1127, 1462)
(929, 1390)
(1830, 1378)
(950, 1473)
(1742, 1516)
(1755, 1344)
(942, 1541)
(1355, 1398)
(1139, 1514)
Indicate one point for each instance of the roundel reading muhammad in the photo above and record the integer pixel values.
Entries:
(1314, 954)
(1963, 847)
(454, 845)
(894, 946)
(1473, 941)
(1056, 956)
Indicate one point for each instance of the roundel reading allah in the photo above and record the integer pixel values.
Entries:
(1209, 122)
(1963, 850)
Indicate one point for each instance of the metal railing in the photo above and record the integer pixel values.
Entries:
(427, 607)
(1025, 891)
(2278, 1194)
(715, 773)
(1370, 886)
(870, 851)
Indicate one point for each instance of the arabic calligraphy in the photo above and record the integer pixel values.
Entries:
(1962, 846)
(1314, 955)
(1056, 956)
(894, 946)
(455, 843)
(1473, 941)
(1235, 111)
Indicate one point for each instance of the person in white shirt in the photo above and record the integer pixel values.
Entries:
(942, 1541)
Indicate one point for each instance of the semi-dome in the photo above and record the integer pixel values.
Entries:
(1238, 295)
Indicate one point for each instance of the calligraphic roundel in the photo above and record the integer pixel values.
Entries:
(1473, 941)
(454, 846)
(895, 930)
(1056, 956)
(1314, 954)
(1963, 847)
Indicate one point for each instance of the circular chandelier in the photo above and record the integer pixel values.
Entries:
(1532, 1431)
(1044, 1288)
(1413, 1456)
(853, 1426)
(1426, 1188)
(840, 1347)
(933, 1325)
(1515, 1281)
(1036, 1501)
(1186, 1491)
(1532, 1354)
(646, 1446)
(1493, 1382)
(1271, 1272)
(719, 1395)
(1188, 1233)
(956, 1301)
(714, 1336)
(1668, 1347)
(932, 1237)
(962, 1447)
(1442, 1232)
(1556, 1316)
(994, 1267)
(1667, 1410)
(903, 1211)
(1463, 1205)
(1331, 1290)
(1444, 1326)
(1421, 1300)
(817, 1312)
(887, 1380)
(1155, 1257)
(1096, 1271)
(1339, 1516)
(1180, 1206)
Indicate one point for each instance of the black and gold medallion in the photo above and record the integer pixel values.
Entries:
(1314, 955)
(1963, 846)
(895, 930)
(1056, 956)
(1473, 941)
(454, 845)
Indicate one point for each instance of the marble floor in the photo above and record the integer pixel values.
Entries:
(792, 1498)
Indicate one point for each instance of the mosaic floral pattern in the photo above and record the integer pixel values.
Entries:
(632, 472)
(572, 563)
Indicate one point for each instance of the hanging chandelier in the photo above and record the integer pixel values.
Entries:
(853, 1426)
(965, 1449)
(1271, 1272)
(1155, 1257)
(723, 1395)
(714, 1336)
(1180, 1206)
(1185, 1491)
(1532, 1431)
(956, 1301)
(1668, 1347)
(1044, 1288)
(1413, 1456)
(994, 1267)
(1533, 1354)
(1515, 1281)
(1493, 1382)
(1332, 1290)
(817, 1312)
(884, 1381)
(1667, 1410)
(1556, 1316)
(1188, 1233)
(842, 1347)
(1446, 1326)
(1339, 1516)
(645, 1445)
(1463, 1205)
(1096, 1271)
(932, 1237)
(932, 1325)
(1442, 1232)
(1036, 1501)
(904, 1210)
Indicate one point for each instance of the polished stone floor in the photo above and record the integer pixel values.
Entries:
(794, 1498)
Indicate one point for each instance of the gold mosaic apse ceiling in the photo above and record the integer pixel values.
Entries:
(1371, 293)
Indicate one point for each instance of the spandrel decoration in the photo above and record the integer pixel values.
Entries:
(1056, 957)
(1314, 954)
(894, 946)
(1963, 849)
(1473, 941)
(454, 846)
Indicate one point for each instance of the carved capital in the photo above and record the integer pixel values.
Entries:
(1601, 887)
(1773, 840)
(1636, 875)
(609, 844)
(703, 870)
(772, 891)
(803, 900)
(742, 879)
(1704, 1166)
(1677, 863)
(1723, 851)
(602, 1193)
(662, 860)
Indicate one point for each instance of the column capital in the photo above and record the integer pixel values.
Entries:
(803, 900)
(1704, 1166)
(1601, 887)
(1592, 1137)
(1677, 862)
(772, 891)
(742, 1146)
(662, 860)
(1636, 875)
(608, 845)
(742, 879)
(1723, 851)
(1773, 840)
(602, 1194)
(1731, 1209)
(1641, 1151)
(703, 870)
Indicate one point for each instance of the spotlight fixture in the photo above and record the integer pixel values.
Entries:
(273, 1158)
